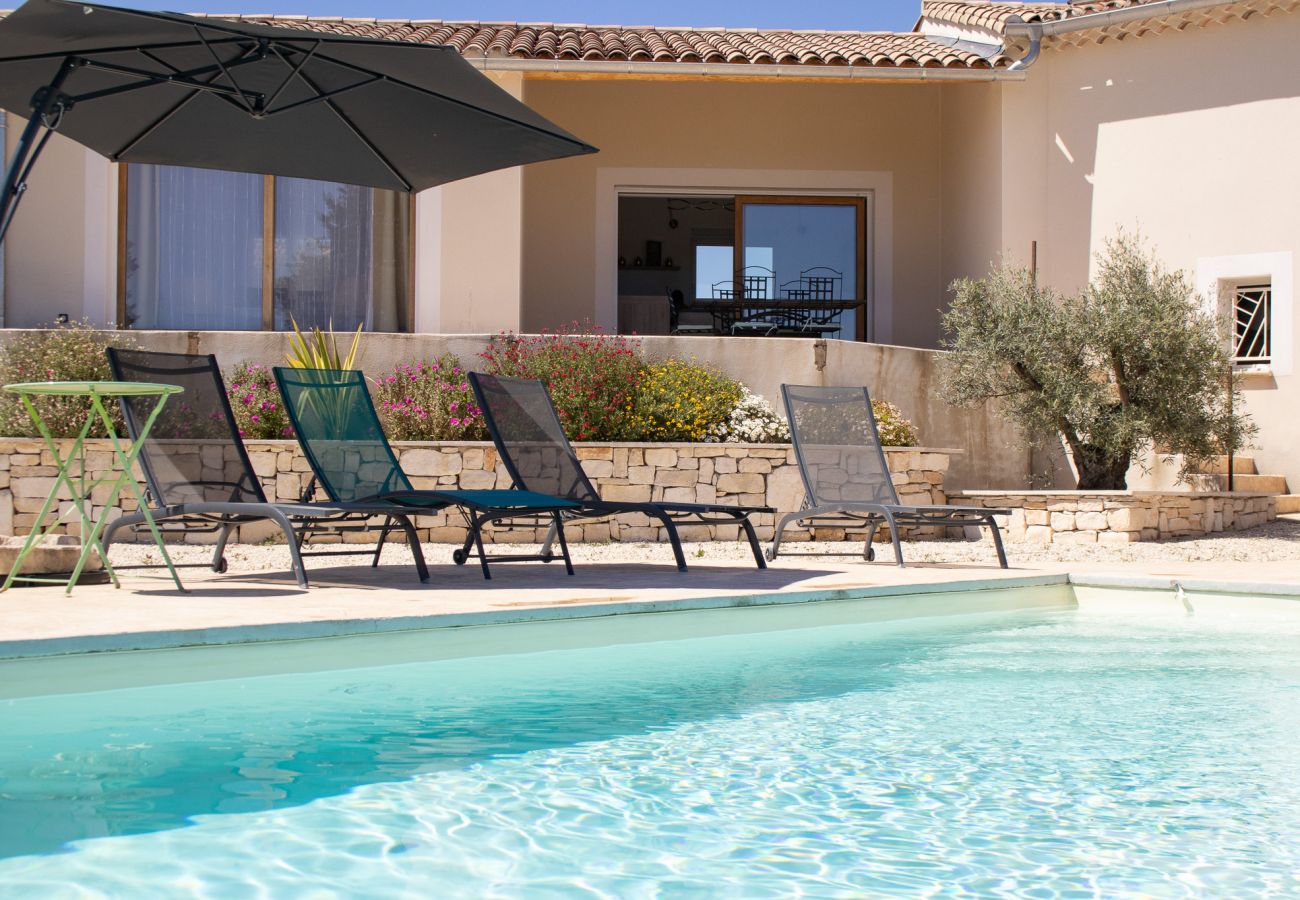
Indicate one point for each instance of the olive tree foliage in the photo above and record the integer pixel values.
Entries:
(1134, 361)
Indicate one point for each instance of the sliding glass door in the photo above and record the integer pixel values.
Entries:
(809, 255)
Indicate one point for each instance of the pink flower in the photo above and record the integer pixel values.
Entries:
(454, 422)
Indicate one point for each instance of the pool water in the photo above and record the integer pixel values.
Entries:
(1038, 754)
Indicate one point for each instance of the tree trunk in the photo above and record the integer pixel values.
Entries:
(1099, 471)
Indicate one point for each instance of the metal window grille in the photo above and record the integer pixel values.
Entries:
(1251, 312)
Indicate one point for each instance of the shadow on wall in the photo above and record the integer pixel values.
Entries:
(1157, 93)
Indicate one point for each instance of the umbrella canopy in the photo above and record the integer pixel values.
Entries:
(164, 88)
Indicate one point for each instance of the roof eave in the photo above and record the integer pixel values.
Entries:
(1112, 17)
(841, 74)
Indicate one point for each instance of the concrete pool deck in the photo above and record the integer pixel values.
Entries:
(244, 606)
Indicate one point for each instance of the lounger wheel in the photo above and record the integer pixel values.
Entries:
(459, 557)
(870, 554)
(220, 566)
(549, 557)
(769, 554)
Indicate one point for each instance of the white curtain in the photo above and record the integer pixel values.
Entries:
(193, 249)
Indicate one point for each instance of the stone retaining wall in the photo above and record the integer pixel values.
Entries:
(1121, 517)
(750, 474)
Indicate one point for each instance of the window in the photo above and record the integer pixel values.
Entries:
(1251, 319)
(212, 250)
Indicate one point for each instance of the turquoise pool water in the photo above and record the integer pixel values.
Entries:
(1046, 754)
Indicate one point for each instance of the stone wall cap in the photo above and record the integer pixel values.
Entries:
(676, 445)
(1083, 495)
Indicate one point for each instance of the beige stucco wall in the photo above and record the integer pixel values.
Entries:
(1188, 136)
(736, 137)
(994, 455)
(972, 179)
(60, 252)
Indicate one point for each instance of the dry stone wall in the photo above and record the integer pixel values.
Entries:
(749, 474)
(1121, 517)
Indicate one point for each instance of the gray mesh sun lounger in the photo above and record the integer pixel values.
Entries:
(336, 424)
(527, 433)
(846, 479)
(199, 476)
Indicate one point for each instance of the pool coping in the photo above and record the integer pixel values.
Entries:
(37, 648)
(87, 645)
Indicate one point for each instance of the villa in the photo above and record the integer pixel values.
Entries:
(1025, 131)
(1090, 711)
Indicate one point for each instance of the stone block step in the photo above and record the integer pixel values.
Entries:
(1288, 503)
(1242, 465)
(1263, 484)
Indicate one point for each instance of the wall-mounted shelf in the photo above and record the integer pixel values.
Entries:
(649, 268)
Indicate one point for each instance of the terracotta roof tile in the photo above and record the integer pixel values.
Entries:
(991, 16)
(660, 45)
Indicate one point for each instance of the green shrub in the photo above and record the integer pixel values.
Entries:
(255, 400)
(429, 401)
(682, 401)
(895, 431)
(71, 352)
(592, 376)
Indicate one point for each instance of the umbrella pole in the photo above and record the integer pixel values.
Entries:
(45, 101)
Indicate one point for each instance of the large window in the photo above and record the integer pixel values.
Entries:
(210, 250)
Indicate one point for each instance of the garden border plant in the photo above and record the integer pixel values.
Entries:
(603, 387)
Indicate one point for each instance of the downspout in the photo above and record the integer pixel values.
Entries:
(1035, 32)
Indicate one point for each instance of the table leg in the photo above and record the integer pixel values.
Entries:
(62, 477)
(126, 461)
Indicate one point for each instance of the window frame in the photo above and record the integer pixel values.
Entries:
(859, 203)
(1235, 290)
(268, 252)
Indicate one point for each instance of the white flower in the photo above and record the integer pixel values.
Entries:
(753, 421)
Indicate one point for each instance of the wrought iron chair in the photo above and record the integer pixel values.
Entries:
(817, 285)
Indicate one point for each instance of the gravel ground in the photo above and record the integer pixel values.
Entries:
(1276, 541)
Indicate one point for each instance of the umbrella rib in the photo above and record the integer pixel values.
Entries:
(310, 100)
(224, 71)
(457, 102)
(333, 107)
(295, 69)
(150, 79)
(177, 107)
(132, 48)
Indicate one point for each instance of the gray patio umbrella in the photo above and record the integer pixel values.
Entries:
(152, 87)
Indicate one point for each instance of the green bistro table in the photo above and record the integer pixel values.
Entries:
(78, 484)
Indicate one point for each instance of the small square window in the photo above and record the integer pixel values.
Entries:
(1251, 323)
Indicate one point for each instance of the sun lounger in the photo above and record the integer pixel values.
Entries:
(200, 478)
(527, 432)
(846, 478)
(336, 424)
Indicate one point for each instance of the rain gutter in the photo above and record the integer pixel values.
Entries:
(843, 74)
(1036, 31)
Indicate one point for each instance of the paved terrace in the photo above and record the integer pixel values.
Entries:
(257, 600)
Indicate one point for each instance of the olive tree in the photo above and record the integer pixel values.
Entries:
(1134, 361)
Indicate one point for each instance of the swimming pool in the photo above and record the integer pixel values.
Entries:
(1047, 753)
